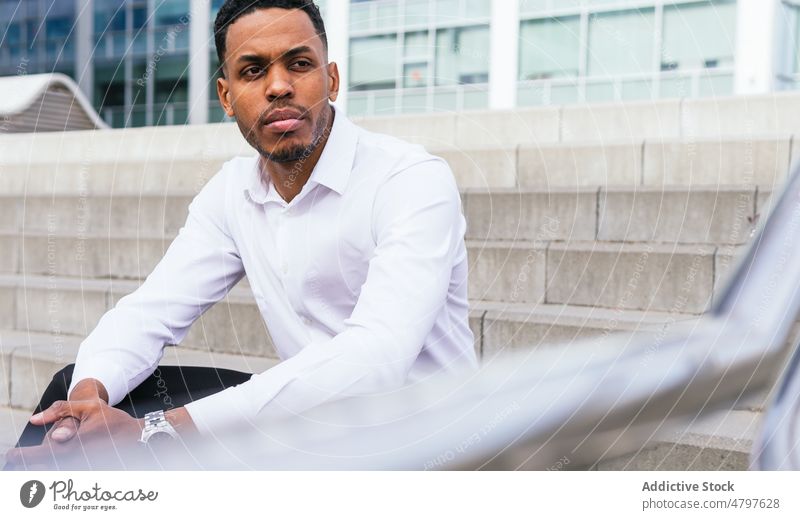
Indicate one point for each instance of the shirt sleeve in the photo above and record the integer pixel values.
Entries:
(418, 228)
(198, 269)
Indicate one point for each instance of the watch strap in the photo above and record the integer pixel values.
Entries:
(155, 422)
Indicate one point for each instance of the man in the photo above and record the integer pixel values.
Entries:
(353, 243)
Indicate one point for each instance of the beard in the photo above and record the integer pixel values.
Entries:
(294, 152)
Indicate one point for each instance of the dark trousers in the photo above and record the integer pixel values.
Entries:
(168, 387)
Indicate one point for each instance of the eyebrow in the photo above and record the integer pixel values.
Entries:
(255, 58)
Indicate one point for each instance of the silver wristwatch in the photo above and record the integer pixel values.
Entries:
(156, 428)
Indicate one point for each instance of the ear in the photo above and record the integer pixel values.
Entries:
(224, 95)
(333, 81)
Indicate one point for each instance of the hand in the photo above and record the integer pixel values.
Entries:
(64, 429)
(86, 390)
(104, 434)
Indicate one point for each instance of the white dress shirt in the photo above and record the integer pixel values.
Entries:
(361, 280)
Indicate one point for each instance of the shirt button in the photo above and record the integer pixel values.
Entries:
(285, 268)
(307, 321)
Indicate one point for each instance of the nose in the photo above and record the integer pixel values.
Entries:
(279, 83)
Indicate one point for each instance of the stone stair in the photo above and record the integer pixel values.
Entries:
(626, 223)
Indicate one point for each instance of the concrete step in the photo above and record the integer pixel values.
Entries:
(735, 116)
(152, 143)
(508, 327)
(677, 162)
(73, 306)
(30, 359)
(607, 274)
(721, 441)
(128, 177)
(718, 214)
(636, 277)
(673, 278)
(776, 113)
(120, 215)
(707, 215)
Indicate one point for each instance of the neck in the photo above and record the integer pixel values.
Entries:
(290, 177)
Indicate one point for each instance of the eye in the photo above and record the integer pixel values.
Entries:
(306, 62)
(251, 71)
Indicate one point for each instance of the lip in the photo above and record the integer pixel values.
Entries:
(285, 125)
(284, 120)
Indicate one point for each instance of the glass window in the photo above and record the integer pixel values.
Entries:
(373, 62)
(446, 11)
(14, 34)
(58, 28)
(119, 43)
(621, 42)
(109, 85)
(530, 95)
(357, 106)
(533, 6)
(216, 114)
(139, 17)
(446, 100)
(109, 16)
(715, 86)
(414, 102)
(416, 12)
(477, 8)
(171, 79)
(139, 41)
(170, 38)
(172, 12)
(602, 91)
(637, 89)
(462, 55)
(359, 17)
(563, 94)
(387, 15)
(677, 87)
(138, 83)
(384, 103)
(796, 37)
(698, 36)
(550, 48)
(415, 74)
(475, 98)
(416, 45)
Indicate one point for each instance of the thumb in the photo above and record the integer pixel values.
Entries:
(65, 429)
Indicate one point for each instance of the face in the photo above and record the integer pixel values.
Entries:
(274, 60)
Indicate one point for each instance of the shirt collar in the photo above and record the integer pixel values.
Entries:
(332, 169)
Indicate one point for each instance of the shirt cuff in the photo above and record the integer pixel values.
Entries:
(219, 412)
(111, 376)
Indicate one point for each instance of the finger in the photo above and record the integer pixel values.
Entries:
(58, 410)
(65, 429)
(30, 456)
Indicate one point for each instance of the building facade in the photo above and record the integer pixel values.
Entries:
(152, 62)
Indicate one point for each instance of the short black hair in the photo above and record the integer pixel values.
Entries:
(232, 10)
